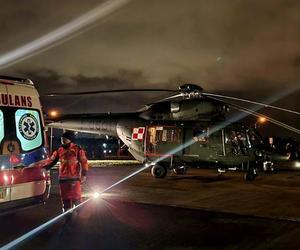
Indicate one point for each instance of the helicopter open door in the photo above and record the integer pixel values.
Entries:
(161, 140)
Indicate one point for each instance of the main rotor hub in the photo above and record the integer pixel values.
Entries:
(189, 88)
(190, 91)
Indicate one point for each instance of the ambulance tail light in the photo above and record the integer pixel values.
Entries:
(14, 160)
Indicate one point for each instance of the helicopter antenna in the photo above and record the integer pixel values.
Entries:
(257, 114)
(252, 102)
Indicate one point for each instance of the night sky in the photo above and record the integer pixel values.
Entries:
(245, 48)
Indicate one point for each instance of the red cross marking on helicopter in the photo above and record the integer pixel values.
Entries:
(138, 133)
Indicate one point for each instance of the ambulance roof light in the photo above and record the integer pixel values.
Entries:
(12, 80)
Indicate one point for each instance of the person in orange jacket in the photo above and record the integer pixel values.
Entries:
(72, 170)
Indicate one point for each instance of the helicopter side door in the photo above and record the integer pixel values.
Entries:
(163, 141)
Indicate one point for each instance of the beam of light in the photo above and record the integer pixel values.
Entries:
(147, 165)
(126, 178)
(40, 228)
(60, 34)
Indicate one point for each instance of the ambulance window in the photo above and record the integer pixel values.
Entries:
(28, 128)
(1, 126)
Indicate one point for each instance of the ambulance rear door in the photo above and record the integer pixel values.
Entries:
(27, 182)
(5, 167)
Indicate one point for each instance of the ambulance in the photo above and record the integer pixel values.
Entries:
(23, 146)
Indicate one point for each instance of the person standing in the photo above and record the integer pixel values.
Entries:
(72, 170)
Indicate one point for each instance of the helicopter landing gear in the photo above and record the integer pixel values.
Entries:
(250, 175)
(268, 166)
(221, 171)
(180, 169)
(159, 171)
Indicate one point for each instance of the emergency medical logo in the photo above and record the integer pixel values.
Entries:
(138, 134)
(28, 127)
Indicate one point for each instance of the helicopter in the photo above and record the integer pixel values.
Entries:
(188, 128)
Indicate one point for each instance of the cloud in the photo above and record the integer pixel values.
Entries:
(245, 48)
(170, 39)
(48, 81)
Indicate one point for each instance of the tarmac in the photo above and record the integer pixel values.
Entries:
(199, 210)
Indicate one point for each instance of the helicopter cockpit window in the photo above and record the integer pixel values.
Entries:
(254, 138)
(1, 126)
(242, 137)
(238, 142)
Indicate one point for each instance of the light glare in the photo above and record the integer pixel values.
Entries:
(262, 119)
(53, 113)
(96, 195)
(297, 164)
(61, 34)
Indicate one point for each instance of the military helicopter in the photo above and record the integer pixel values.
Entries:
(186, 129)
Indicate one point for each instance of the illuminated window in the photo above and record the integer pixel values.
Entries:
(1, 126)
(200, 135)
(28, 129)
(169, 135)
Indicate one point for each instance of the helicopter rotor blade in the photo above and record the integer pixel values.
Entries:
(257, 114)
(108, 91)
(270, 119)
(252, 102)
(189, 90)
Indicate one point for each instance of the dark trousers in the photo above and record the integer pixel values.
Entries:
(68, 204)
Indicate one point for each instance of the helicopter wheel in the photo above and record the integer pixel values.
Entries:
(221, 171)
(268, 167)
(158, 171)
(250, 175)
(180, 169)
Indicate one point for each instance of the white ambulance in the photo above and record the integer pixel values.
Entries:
(23, 147)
